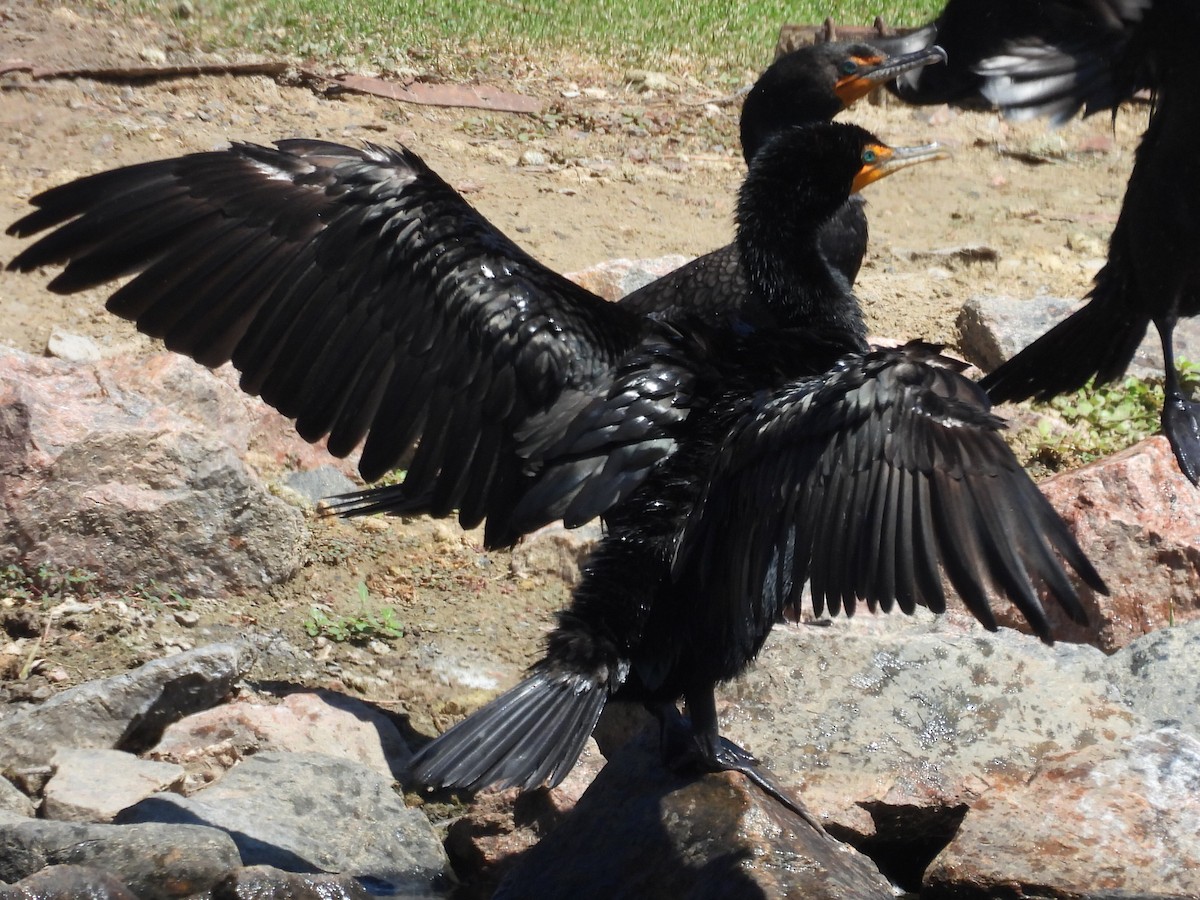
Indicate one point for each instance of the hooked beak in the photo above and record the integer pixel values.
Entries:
(886, 160)
(858, 85)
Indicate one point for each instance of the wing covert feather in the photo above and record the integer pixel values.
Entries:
(874, 482)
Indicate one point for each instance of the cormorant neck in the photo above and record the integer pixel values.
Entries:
(790, 277)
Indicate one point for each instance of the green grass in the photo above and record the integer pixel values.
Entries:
(699, 35)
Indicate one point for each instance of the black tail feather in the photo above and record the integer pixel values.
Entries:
(1098, 341)
(525, 738)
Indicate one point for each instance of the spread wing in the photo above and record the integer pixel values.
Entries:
(870, 483)
(356, 292)
(1028, 57)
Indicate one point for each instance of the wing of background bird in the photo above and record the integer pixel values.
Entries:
(354, 290)
(1028, 57)
(871, 483)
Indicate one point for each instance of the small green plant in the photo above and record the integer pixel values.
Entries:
(369, 624)
(1106, 419)
(159, 596)
(47, 584)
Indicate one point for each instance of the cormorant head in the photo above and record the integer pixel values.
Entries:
(802, 175)
(813, 84)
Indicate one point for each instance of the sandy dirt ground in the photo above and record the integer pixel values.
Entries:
(622, 173)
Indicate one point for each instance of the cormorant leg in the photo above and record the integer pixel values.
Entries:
(1180, 416)
(698, 744)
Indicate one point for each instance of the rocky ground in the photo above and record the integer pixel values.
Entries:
(609, 169)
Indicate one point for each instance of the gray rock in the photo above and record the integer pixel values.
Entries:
(211, 741)
(14, 800)
(640, 831)
(305, 812)
(69, 883)
(95, 785)
(72, 347)
(144, 506)
(315, 485)
(265, 882)
(889, 711)
(1113, 820)
(126, 711)
(1156, 676)
(171, 439)
(157, 862)
(993, 329)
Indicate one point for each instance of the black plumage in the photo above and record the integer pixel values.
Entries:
(804, 457)
(811, 84)
(1095, 54)
(356, 292)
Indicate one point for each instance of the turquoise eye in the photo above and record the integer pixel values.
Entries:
(849, 67)
(868, 157)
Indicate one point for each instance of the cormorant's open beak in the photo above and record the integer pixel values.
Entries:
(880, 160)
(880, 70)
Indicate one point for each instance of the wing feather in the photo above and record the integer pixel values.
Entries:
(354, 291)
(875, 482)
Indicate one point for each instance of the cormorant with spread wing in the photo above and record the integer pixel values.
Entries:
(811, 84)
(866, 474)
(356, 292)
(1052, 58)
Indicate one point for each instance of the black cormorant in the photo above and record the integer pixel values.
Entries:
(1052, 57)
(357, 292)
(812, 84)
(806, 458)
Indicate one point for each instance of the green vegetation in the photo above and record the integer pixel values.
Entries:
(368, 625)
(451, 34)
(47, 585)
(1105, 420)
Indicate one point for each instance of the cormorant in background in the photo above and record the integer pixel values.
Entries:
(1052, 58)
(805, 457)
(812, 84)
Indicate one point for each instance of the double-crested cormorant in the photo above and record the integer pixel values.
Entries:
(812, 84)
(806, 457)
(1097, 53)
(358, 293)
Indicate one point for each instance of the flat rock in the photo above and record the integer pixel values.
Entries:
(157, 862)
(306, 812)
(94, 785)
(72, 347)
(1070, 848)
(213, 740)
(641, 831)
(1156, 675)
(314, 485)
(124, 712)
(891, 727)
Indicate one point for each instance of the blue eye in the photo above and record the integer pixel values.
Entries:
(849, 67)
(868, 157)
